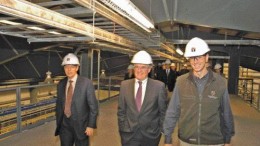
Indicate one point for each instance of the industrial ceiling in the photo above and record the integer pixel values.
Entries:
(80, 25)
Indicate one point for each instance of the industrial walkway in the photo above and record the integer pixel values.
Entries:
(247, 128)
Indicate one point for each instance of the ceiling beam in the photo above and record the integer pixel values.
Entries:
(111, 15)
(219, 57)
(106, 12)
(28, 11)
(164, 46)
(152, 51)
(14, 57)
(26, 53)
(74, 11)
(60, 39)
(54, 3)
(110, 47)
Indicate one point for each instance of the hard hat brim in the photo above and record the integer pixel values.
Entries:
(196, 55)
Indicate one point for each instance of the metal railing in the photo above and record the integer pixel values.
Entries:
(250, 91)
(108, 87)
(25, 107)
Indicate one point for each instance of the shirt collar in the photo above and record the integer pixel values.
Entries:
(197, 78)
(74, 79)
(143, 81)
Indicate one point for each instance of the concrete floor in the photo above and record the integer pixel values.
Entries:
(247, 128)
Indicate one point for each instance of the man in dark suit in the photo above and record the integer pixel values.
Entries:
(184, 70)
(141, 105)
(76, 107)
(168, 77)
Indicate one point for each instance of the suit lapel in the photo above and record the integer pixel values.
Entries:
(76, 89)
(64, 92)
(131, 94)
(146, 95)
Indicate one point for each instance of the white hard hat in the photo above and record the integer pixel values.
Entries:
(167, 61)
(142, 57)
(173, 64)
(130, 66)
(196, 47)
(185, 65)
(70, 59)
(217, 66)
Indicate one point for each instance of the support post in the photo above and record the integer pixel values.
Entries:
(233, 70)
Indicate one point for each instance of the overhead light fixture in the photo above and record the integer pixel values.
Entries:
(179, 51)
(54, 32)
(130, 11)
(10, 22)
(36, 28)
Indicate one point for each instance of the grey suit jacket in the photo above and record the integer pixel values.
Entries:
(84, 106)
(150, 119)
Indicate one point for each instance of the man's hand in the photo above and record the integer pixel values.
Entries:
(168, 145)
(89, 131)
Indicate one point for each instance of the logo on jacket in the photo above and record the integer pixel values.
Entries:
(212, 95)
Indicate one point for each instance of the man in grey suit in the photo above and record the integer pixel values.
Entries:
(76, 107)
(141, 105)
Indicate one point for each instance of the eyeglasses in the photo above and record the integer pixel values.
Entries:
(197, 58)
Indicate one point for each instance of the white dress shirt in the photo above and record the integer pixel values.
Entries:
(144, 83)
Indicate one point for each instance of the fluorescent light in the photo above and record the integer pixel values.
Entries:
(54, 32)
(10, 22)
(36, 28)
(179, 51)
(130, 11)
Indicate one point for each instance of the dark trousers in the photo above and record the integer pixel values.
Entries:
(140, 140)
(68, 135)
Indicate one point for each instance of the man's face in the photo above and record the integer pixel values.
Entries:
(217, 70)
(173, 67)
(167, 66)
(198, 63)
(71, 70)
(164, 67)
(141, 71)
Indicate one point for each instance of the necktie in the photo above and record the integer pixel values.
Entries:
(67, 109)
(138, 98)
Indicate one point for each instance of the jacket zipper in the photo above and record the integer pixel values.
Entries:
(199, 120)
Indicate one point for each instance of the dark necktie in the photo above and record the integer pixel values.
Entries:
(67, 109)
(138, 98)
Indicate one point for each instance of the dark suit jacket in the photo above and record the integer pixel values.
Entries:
(150, 119)
(169, 80)
(183, 71)
(84, 106)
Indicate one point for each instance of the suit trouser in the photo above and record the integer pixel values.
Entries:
(140, 140)
(182, 143)
(68, 135)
